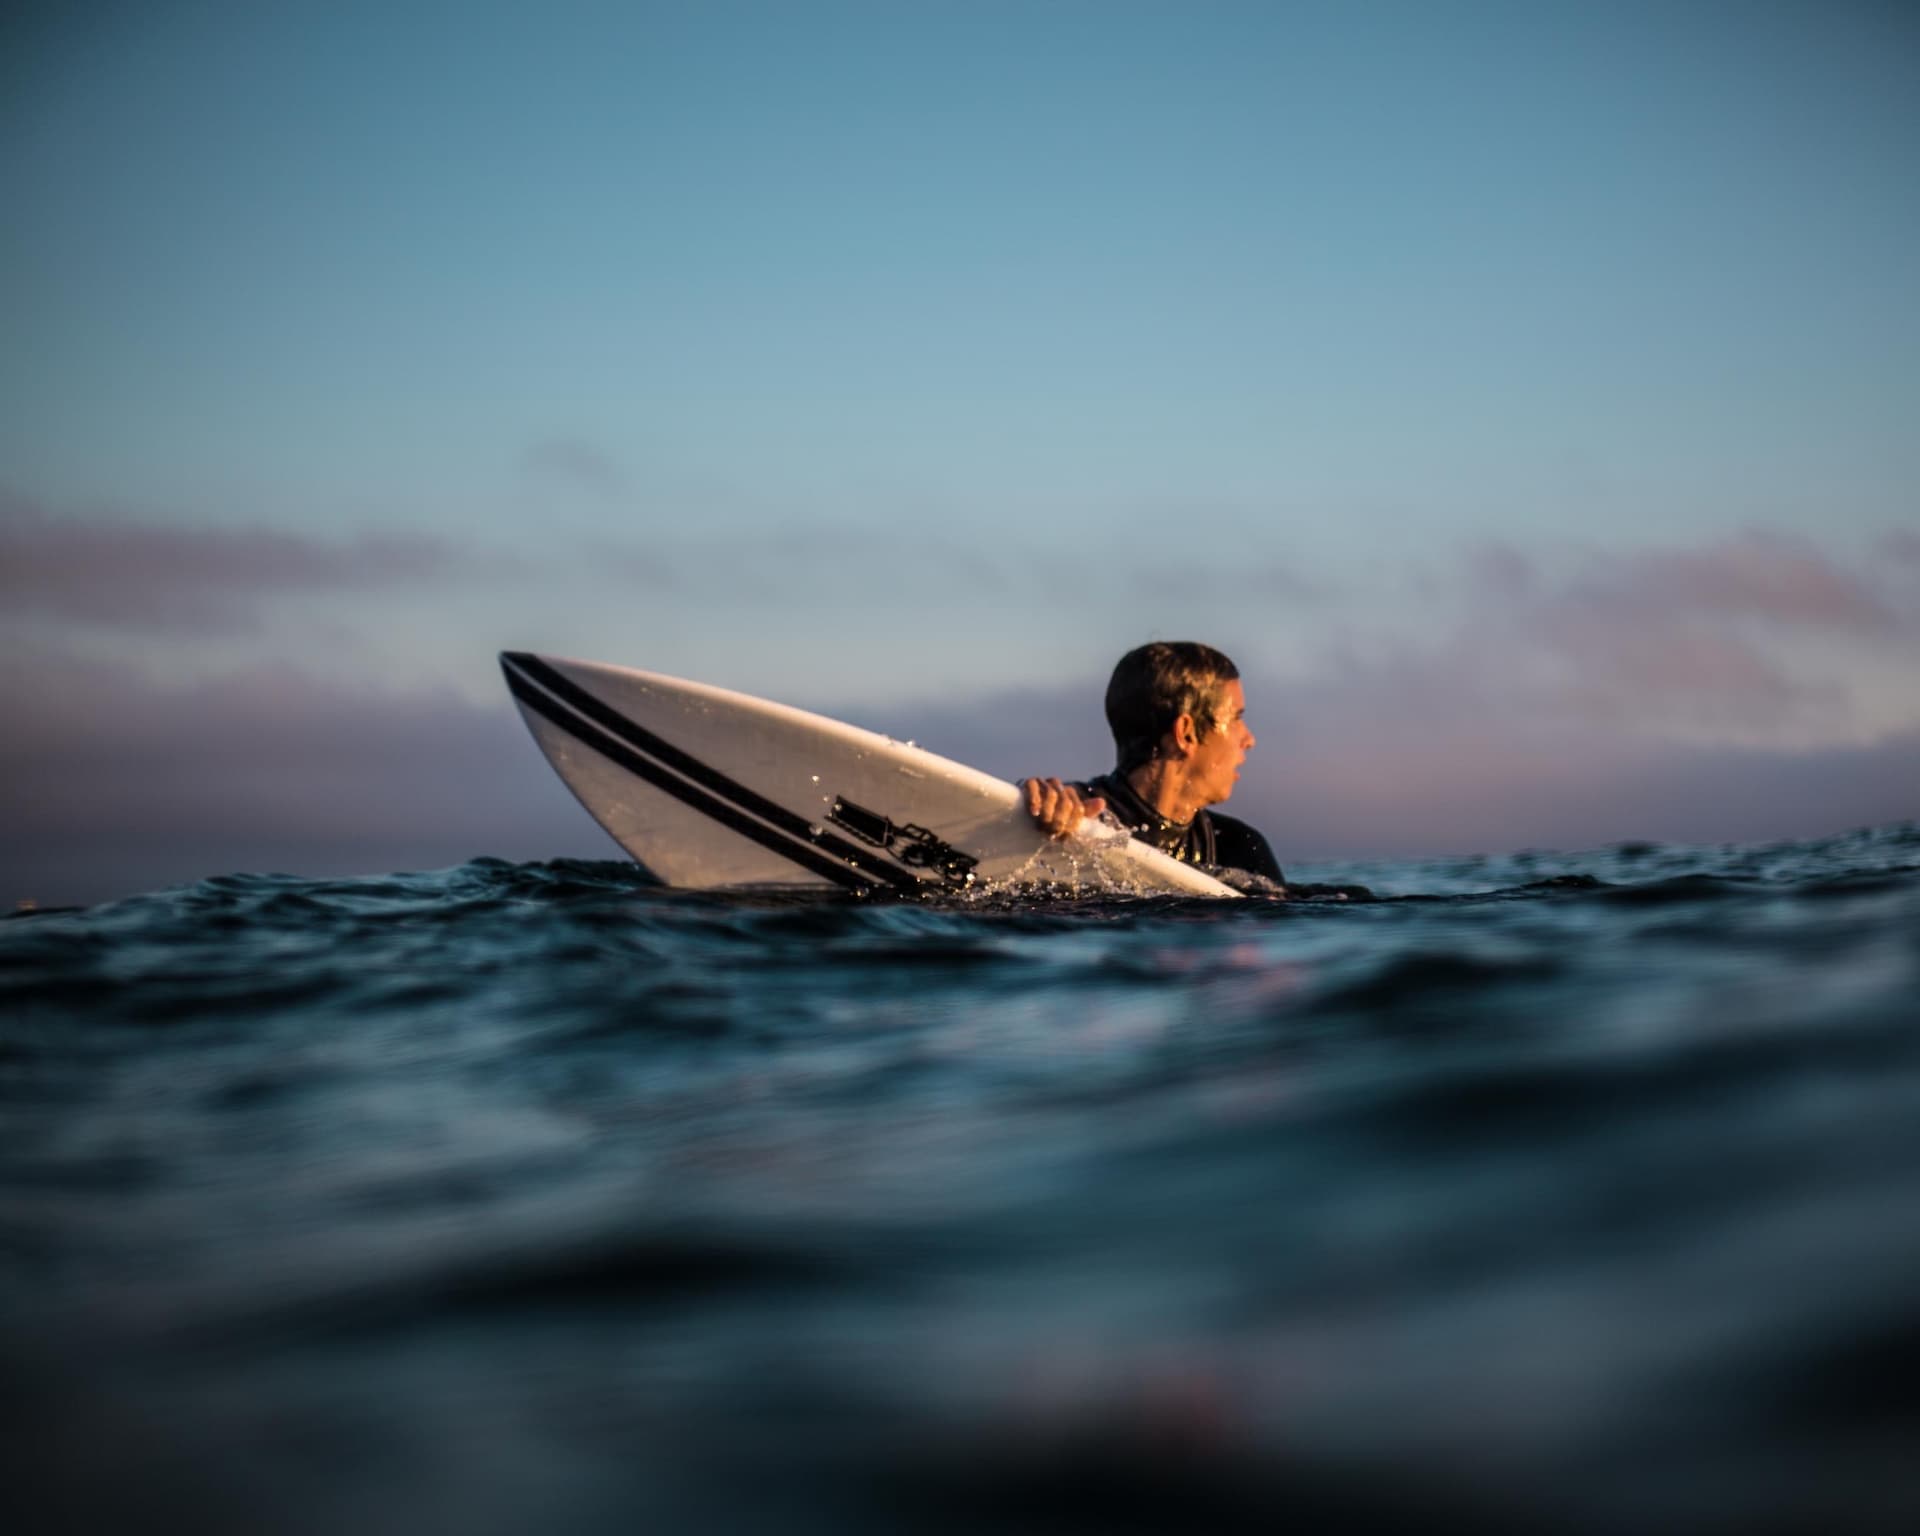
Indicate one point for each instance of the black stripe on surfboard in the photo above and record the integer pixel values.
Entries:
(696, 784)
(653, 773)
(708, 777)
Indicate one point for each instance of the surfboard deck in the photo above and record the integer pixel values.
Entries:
(707, 788)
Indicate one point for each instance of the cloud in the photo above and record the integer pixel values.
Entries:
(116, 574)
(1569, 701)
(1396, 761)
(1570, 711)
(574, 463)
(1173, 580)
(1700, 692)
(110, 784)
(1695, 640)
(1671, 668)
(630, 565)
(1758, 574)
(1500, 571)
(820, 563)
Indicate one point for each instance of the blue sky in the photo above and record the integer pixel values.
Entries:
(1554, 367)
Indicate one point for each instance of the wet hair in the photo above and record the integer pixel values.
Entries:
(1154, 685)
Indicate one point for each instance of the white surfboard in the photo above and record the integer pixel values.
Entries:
(708, 788)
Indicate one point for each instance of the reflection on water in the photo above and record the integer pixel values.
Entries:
(1565, 1191)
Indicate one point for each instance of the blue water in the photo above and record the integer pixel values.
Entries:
(1551, 1192)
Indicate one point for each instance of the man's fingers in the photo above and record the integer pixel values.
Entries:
(1043, 803)
(1043, 800)
(1058, 807)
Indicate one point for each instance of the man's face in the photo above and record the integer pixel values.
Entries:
(1215, 764)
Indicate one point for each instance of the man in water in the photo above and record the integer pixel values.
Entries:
(1178, 714)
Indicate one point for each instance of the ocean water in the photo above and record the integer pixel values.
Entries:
(1554, 1192)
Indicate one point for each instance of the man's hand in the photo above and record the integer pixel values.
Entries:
(1058, 807)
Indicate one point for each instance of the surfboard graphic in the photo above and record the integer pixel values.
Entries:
(707, 788)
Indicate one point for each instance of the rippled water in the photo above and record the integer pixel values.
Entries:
(1558, 1191)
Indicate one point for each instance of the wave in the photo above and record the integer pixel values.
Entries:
(1569, 1186)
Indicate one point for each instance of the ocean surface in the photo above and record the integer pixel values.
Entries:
(1550, 1192)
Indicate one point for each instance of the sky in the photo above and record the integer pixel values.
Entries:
(1526, 396)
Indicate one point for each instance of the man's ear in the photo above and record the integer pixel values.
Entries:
(1186, 735)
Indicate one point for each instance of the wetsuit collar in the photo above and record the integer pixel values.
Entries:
(1134, 808)
(1192, 841)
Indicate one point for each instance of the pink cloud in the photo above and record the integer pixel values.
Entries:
(1655, 670)
(110, 784)
(630, 565)
(133, 576)
(1757, 574)
(1321, 797)
(1660, 639)
(1268, 580)
(577, 464)
(817, 561)
(1500, 571)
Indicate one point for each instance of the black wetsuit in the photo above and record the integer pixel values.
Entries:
(1209, 839)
